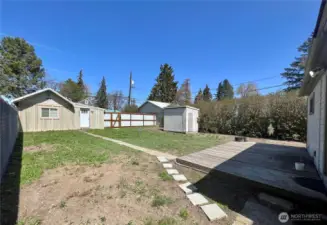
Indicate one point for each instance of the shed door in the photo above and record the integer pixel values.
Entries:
(190, 121)
(85, 118)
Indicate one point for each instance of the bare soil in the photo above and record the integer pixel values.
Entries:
(41, 147)
(122, 192)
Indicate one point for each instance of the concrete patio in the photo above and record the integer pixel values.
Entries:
(265, 166)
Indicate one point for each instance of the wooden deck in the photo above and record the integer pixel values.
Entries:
(269, 165)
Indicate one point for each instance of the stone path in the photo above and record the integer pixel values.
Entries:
(212, 211)
(146, 150)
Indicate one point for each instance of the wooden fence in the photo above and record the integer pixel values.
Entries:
(9, 128)
(115, 119)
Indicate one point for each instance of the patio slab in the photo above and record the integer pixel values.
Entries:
(167, 165)
(162, 159)
(213, 212)
(179, 177)
(188, 188)
(172, 171)
(197, 199)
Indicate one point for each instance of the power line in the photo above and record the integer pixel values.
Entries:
(264, 88)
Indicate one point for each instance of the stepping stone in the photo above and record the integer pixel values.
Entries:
(213, 212)
(197, 199)
(162, 159)
(172, 171)
(188, 188)
(167, 165)
(179, 177)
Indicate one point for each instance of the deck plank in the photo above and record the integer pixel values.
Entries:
(267, 164)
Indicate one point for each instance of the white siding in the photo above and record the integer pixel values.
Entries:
(316, 126)
(175, 120)
(195, 125)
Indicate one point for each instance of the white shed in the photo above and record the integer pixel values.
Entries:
(181, 119)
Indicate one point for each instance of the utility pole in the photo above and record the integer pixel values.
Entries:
(130, 89)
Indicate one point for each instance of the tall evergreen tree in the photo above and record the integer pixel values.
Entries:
(166, 88)
(198, 97)
(228, 92)
(295, 73)
(101, 98)
(21, 70)
(82, 91)
(219, 94)
(207, 96)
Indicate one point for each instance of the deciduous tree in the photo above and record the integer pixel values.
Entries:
(183, 96)
(70, 89)
(248, 89)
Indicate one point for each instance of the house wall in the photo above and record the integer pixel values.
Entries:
(150, 108)
(316, 127)
(175, 120)
(96, 116)
(30, 113)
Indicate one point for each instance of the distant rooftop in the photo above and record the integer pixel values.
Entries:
(160, 104)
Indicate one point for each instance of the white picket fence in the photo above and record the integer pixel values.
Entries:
(115, 119)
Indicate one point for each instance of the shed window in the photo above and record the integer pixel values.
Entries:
(312, 104)
(49, 113)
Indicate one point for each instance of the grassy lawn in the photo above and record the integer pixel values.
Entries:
(175, 143)
(68, 177)
(55, 149)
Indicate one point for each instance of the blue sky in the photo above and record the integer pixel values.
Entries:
(205, 41)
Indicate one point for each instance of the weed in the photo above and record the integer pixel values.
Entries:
(148, 221)
(222, 205)
(183, 213)
(167, 221)
(130, 223)
(122, 183)
(135, 163)
(165, 176)
(160, 200)
(123, 193)
(62, 204)
(31, 221)
(87, 179)
(103, 219)
(109, 197)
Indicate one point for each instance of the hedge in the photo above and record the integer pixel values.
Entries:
(281, 116)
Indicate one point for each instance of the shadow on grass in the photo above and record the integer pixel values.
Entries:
(10, 185)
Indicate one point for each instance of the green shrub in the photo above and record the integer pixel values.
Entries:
(281, 116)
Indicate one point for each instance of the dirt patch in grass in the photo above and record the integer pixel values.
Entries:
(40, 147)
(126, 191)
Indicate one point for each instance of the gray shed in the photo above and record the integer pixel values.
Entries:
(181, 119)
(154, 107)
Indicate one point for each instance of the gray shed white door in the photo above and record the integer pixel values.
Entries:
(85, 118)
